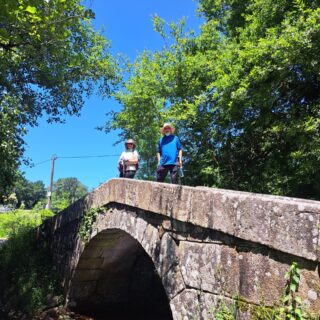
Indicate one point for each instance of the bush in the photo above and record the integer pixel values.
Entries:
(13, 221)
(27, 277)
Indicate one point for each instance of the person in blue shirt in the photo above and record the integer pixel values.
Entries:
(169, 154)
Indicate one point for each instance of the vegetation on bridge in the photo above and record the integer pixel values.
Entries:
(290, 307)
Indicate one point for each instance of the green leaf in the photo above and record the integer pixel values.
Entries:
(298, 311)
(296, 279)
(30, 9)
(293, 287)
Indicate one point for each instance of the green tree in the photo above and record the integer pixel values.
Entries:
(50, 60)
(266, 94)
(161, 86)
(244, 95)
(67, 191)
(29, 193)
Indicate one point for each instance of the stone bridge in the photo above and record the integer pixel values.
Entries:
(161, 251)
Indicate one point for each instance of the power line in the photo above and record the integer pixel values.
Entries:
(78, 157)
(99, 156)
(44, 161)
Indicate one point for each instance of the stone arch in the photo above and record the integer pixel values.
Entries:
(126, 262)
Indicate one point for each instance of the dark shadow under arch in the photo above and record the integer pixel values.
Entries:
(116, 279)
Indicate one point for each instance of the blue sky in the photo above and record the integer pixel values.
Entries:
(127, 24)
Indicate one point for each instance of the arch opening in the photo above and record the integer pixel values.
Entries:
(116, 279)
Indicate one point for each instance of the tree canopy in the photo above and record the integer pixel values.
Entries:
(50, 60)
(66, 191)
(243, 94)
(29, 193)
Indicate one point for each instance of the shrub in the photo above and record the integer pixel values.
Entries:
(27, 276)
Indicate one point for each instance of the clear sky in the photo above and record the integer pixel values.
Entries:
(127, 24)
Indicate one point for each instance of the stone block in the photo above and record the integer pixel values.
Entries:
(92, 252)
(87, 263)
(81, 290)
(173, 282)
(201, 207)
(163, 198)
(120, 190)
(137, 229)
(131, 193)
(168, 254)
(221, 214)
(278, 225)
(101, 195)
(183, 207)
(211, 304)
(143, 194)
(261, 278)
(87, 275)
(185, 306)
(151, 241)
(112, 220)
(309, 289)
(104, 242)
(209, 267)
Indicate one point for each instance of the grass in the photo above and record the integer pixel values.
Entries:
(10, 221)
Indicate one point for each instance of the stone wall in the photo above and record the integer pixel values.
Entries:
(2, 241)
(207, 246)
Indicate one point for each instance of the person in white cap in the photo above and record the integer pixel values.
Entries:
(128, 161)
(169, 154)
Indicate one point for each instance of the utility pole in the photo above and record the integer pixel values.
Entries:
(49, 194)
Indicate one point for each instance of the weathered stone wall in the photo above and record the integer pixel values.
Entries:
(206, 245)
(2, 241)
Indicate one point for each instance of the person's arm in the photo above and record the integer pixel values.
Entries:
(158, 157)
(158, 153)
(180, 157)
(120, 159)
(179, 152)
(120, 162)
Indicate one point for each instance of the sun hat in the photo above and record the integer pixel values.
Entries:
(167, 125)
